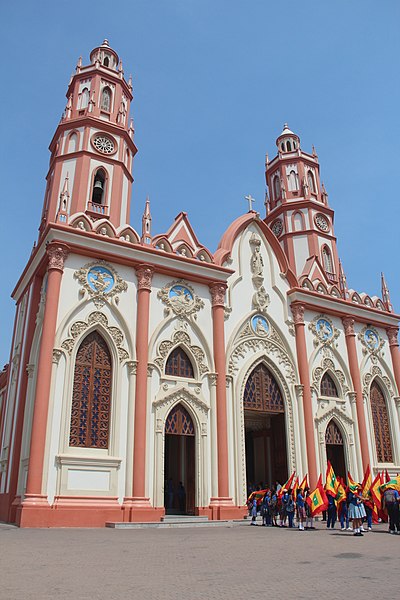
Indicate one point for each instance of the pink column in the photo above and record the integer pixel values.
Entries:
(302, 360)
(392, 333)
(57, 254)
(218, 313)
(139, 502)
(348, 324)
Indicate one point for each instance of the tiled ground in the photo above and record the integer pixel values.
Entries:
(233, 562)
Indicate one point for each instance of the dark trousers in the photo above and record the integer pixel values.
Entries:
(393, 512)
(331, 516)
(290, 517)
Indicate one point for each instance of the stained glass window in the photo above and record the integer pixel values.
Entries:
(179, 422)
(380, 419)
(333, 434)
(328, 387)
(106, 99)
(262, 392)
(178, 364)
(91, 396)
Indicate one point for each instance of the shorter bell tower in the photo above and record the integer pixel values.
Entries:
(298, 212)
(92, 149)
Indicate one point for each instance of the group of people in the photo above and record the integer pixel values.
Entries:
(279, 507)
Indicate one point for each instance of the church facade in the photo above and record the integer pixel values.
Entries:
(142, 362)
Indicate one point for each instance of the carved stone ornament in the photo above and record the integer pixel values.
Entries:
(180, 338)
(261, 299)
(144, 274)
(370, 340)
(298, 313)
(328, 365)
(57, 353)
(218, 291)
(57, 254)
(179, 299)
(323, 330)
(348, 324)
(392, 333)
(101, 281)
(376, 371)
(79, 327)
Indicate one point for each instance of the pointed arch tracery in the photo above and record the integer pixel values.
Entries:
(91, 395)
(178, 364)
(333, 435)
(380, 418)
(179, 422)
(262, 392)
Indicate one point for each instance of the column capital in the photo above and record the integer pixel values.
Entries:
(348, 324)
(57, 254)
(218, 290)
(392, 333)
(144, 274)
(397, 401)
(298, 313)
(352, 397)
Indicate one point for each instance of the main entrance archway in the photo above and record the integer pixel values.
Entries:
(335, 449)
(179, 465)
(265, 431)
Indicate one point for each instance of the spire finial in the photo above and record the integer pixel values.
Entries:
(342, 281)
(386, 294)
(106, 43)
(146, 223)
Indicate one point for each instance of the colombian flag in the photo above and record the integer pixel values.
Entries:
(317, 500)
(376, 492)
(332, 483)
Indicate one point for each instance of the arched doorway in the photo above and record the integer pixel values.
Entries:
(335, 449)
(179, 465)
(265, 433)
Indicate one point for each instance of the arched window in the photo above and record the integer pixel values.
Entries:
(283, 146)
(179, 422)
(380, 419)
(99, 187)
(262, 393)
(311, 182)
(277, 187)
(293, 181)
(328, 387)
(106, 61)
(178, 364)
(298, 222)
(106, 99)
(84, 101)
(91, 395)
(327, 259)
(333, 434)
(288, 146)
(72, 142)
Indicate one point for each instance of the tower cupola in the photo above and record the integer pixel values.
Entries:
(288, 141)
(105, 56)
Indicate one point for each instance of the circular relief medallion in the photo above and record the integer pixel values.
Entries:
(180, 296)
(277, 227)
(100, 279)
(103, 144)
(259, 325)
(324, 329)
(322, 222)
(371, 339)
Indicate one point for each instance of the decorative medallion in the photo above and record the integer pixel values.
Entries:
(277, 227)
(324, 330)
(101, 281)
(180, 299)
(104, 144)
(370, 340)
(321, 222)
(259, 325)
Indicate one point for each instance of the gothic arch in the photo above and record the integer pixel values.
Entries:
(346, 427)
(195, 354)
(382, 421)
(327, 365)
(179, 361)
(69, 148)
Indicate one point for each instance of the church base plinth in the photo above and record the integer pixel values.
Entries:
(223, 509)
(139, 510)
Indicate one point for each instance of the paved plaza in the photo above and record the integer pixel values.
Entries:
(236, 561)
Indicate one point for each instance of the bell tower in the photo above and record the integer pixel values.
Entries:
(92, 149)
(298, 212)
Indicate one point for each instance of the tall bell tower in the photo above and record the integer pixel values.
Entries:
(92, 149)
(298, 211)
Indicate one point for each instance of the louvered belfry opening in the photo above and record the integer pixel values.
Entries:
(179, 462)
(265, 429)
(380, 418)
(91, 396)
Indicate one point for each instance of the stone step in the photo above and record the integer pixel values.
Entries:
(167, 524)
(183, 519)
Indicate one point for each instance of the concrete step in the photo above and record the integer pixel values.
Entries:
(183, 519)
(168, 524)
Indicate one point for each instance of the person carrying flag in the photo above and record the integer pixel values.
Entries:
(301, 513)
(356, 508)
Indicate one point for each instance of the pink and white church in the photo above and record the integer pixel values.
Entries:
(141, 360)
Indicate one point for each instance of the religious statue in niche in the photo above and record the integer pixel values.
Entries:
(100, 281)
(180, 299)
(259, 325)
(256, 262)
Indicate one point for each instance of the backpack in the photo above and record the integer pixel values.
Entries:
(390, 496)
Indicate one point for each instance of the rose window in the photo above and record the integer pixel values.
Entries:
(103, 144)
(277, 227)
(321, 223)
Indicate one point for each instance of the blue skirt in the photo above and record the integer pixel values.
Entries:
(356, 511)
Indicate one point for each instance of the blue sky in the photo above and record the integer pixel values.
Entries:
(214, 81)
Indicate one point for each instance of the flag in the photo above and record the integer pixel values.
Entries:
(393, 484)
(304, 484)
(341, 492)
(332, 483)
(259, 495)
(351, 484)
(366, 487)
(287, 485)
(387, 476)
(376, 492)
(317, 500)
(295, 487)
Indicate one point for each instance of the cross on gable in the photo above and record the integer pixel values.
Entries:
(250, 200)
